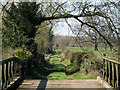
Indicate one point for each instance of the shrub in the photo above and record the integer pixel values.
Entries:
(22, 54)
(76, 59)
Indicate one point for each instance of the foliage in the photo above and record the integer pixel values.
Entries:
(22, 54)
(19, 25)
(76, 59)
(44, 36)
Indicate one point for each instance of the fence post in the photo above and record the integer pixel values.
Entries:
(104, 67)
(119, 76)
(0, 76)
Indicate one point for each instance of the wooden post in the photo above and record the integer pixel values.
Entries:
(0, 76)
(13, 68)
(10, 71)
(110, 69)
(6, 74)
(119, 76)
(114, 75)
(104, 67)
(3, 78)
(107, 71)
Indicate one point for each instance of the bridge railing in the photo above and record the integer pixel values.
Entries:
(111, 71)
(10, 70)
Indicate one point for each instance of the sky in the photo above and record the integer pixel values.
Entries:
(62, 28)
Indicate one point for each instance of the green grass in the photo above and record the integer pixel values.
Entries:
(58, 75)
(59, 67)
(58, 52)
(61, 56)
(72, 67)
(66, 62)
(79, 75)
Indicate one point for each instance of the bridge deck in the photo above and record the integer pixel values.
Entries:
(37, 84)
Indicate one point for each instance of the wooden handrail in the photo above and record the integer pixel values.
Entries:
(111, 71)
(111, 59)
(7, 60)
(11, 69)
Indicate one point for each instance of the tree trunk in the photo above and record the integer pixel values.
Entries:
(96, 43)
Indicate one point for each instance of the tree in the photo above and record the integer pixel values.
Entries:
(34, 14)
(44, 36)
(20, 23)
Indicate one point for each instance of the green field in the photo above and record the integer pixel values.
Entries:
(99, 53)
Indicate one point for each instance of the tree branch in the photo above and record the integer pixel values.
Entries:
(96, 30)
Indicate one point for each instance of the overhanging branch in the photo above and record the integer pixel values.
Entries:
(95, 30)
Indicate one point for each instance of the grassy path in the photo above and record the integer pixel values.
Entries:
(59, 68)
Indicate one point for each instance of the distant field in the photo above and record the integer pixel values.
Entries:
(99, 53)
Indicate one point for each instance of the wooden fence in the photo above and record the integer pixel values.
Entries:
(111, 71)
(11, 71)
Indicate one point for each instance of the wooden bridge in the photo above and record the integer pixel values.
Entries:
(13, 78)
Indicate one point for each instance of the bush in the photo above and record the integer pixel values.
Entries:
(76, 59)
(22, 54)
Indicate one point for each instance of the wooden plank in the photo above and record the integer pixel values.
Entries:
(35, 84)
